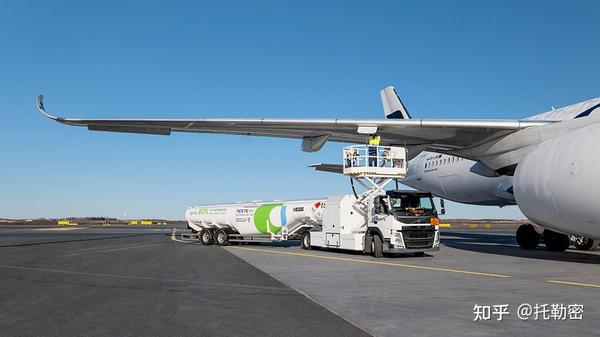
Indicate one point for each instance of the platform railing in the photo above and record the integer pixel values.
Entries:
(376, 161)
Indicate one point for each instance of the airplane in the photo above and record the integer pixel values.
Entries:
(545, 164)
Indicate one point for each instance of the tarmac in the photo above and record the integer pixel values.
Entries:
(156, 282)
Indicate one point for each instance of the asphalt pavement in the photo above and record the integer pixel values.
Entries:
(139, 282)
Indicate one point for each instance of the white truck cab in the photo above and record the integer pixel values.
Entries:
(391, 222)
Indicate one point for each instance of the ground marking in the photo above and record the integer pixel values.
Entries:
(591, 285)
(458, 271)
(103, 250)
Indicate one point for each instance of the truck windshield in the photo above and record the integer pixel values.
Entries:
(412, 205)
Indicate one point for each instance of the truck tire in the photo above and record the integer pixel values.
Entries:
(305, 240)
(206, 237)
(368, 243)
(221, 237)
(377, 246)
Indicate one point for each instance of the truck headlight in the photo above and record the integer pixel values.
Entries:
(398, 240)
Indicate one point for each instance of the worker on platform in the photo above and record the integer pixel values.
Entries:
(348, 155)
(372, 149)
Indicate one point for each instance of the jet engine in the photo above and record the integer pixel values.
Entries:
(557, 185)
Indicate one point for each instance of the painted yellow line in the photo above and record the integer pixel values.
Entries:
(458, 271)
(445, 225)
(591, 285)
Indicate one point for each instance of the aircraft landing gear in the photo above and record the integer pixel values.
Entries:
(583, 243)
(556, 242)
(528, 237)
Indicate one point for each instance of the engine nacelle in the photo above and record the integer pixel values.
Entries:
(557, 185)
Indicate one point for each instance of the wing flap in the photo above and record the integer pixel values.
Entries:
(332, 168)
(127, 129)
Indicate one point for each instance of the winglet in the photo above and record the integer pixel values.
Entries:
(42, 109)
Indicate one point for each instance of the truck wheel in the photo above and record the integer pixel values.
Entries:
(221, 238)
(368, 244)
(206, 237)
(305, 240)
(377, 246)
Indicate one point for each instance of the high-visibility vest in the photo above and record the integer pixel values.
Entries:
(374, 140)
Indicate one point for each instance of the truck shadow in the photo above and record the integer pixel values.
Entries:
(296, 243)
(499, 244)
(284, 244)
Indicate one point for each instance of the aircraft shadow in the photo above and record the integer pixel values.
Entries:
(506, 245)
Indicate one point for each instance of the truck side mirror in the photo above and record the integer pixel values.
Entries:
(442, 207)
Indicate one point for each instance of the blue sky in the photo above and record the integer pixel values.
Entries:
(301, 59)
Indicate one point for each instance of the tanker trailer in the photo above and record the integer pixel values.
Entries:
(253, 221)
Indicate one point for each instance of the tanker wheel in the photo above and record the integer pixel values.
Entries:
(556, 242)
(221, 237)
(377, 246)
(583, 243)
(305, 240)
(527, 237)
(206, 237)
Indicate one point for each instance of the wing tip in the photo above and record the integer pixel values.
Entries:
(41, 108)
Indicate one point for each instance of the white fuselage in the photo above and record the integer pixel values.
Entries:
(451, 178)
(550, 171)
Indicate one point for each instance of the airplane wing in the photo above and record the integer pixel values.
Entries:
(435, 135)
(332, 168)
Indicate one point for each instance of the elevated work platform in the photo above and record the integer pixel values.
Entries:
(375, 161)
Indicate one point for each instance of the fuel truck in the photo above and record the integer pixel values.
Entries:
(373, 222)
(395, 222)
